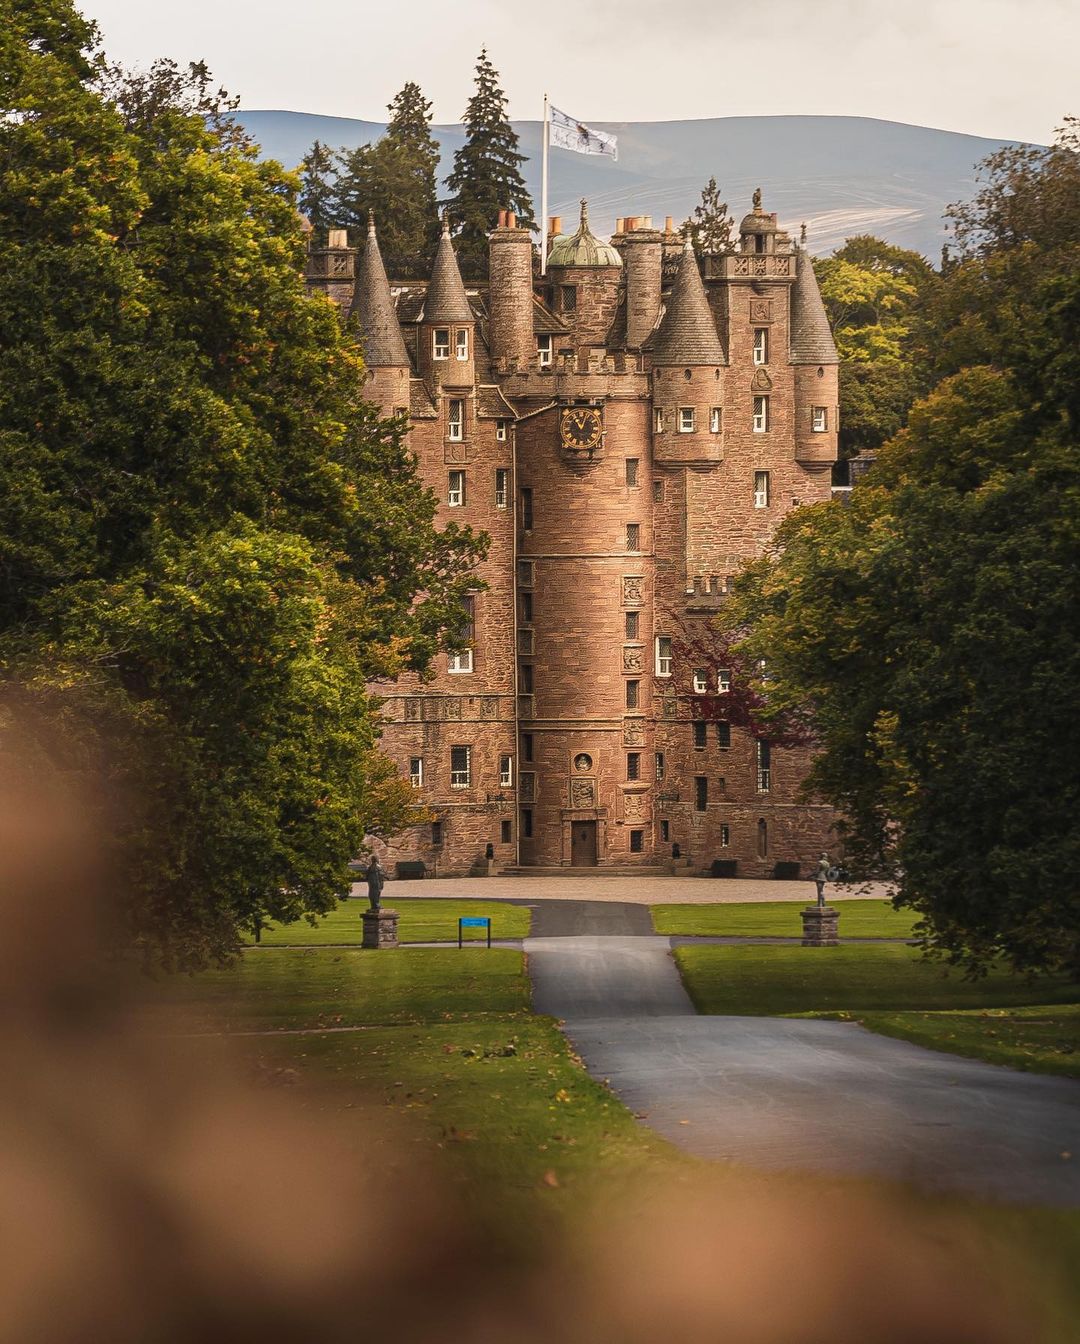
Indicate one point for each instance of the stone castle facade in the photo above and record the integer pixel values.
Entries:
(627, 430)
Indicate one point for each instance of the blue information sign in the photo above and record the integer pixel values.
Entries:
(474, 922)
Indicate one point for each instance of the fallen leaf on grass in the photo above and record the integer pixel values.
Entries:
(549, 1178)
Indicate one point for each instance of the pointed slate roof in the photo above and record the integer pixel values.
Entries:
(811, 336)
(687, 331)
(373, 305)
(446, 300)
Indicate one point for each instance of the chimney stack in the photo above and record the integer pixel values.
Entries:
(337, 238)
(510, 292)
(554, 226)
(642, 253)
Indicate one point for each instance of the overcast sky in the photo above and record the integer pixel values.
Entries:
(1009, 69)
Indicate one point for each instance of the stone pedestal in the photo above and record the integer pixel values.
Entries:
(820, 926)
(380, 928)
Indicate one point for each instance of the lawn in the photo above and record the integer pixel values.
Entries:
(1044, 1039)
(783, 980)
(779, 919)
(423, 920)
(325, 987)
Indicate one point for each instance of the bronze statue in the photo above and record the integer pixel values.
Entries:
(376, 877)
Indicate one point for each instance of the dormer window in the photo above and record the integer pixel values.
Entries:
(543, 349)
(461, 343)
(440, 343)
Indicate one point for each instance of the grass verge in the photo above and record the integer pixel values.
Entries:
(779, 919)
(423, 920)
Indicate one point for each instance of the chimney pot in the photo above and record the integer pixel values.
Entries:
(511, 220)
(669, 224)
(619, 223)
(502, 219)
(555, 226)
(646, 221)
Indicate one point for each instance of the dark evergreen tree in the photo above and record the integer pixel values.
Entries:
(317, 189)
(710, 226)
(487, 175)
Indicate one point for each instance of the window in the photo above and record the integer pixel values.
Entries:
(461, 343)
(761, 489)
(502, 486)
(455, 428)
(460, 767)
(701, 681)
(633, 765)
(526, 678)
(633, 624)
(663, 655)
(659, 766)
(665, 831)
(658, 492)
(526, 822)
(526, 509)
(440, 343)
(761, 415)
(526, 573)
(725, 836)
(416, 771)
(637, 842)
(527, 746)
(526, 643)
(633, 536)
(762, 839)
(761, 345)
(461, 660)
(543, 350)
(701, 793)
(506, 833)
(506, 772)
(699, 734)
(502, 430)
(686, 419)
(819, 419)
(714, 420)
(658, 421)
(436, 832)
(633, 691)
(723, 733)
(631, 470)
(764, 767)
(568, 298)
(526, 608)
(455, 494)
(723, 681)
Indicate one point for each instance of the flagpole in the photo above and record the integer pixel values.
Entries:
(544, 191)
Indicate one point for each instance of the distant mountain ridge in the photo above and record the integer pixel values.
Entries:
(842, 175)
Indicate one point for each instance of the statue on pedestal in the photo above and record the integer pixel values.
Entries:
(376, 878)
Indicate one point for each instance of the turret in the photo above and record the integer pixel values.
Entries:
(584, 274)
(642, 249)
(447, 325)
(813, 353)
(758, 230)
(510, 295)
(373, 310)
(687, 360)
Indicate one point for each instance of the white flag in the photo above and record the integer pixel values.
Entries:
(567, 133)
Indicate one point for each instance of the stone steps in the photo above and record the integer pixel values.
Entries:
(612, 870)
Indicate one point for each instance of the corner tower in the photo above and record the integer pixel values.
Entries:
(373, 311)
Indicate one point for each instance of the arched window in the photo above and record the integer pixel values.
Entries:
(763, 838)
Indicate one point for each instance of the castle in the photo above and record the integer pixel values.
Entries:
(627, 430)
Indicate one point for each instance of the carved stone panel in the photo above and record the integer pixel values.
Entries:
(761, 310)
(633, 806)
(633, 733)
(489, 707)
(633, 590)
(456, 452)
(527, 786)
(632, 659)
(761, 381)
(669, 707)
(412, 709)
(582, 792)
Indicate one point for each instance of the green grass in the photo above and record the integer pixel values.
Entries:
(322, 987)
(1043, 1039)
(423, 920)
(780, 919)
(783, 980)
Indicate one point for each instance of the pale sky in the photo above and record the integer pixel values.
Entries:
(1007, 69)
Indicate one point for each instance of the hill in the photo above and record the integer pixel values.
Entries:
(842, 175)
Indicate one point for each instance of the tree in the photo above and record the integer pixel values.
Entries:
(396, 179)
(486, 177)
(709, 227)
(209, 543)
(317, 190)
(930, 627)
(874, 294)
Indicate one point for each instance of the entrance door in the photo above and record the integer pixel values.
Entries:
(583, 844)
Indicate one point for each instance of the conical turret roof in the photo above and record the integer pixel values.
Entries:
(373, 306)
(811, 336)
(687, 331)
(446, 300)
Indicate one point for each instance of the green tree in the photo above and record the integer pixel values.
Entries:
(874, 294)
(486, 177)
(317, 190)
(930, 627)
(709, 227)
(209, 543)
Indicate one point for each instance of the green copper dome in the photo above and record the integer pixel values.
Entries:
(582, 248)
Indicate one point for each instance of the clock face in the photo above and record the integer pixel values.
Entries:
(581, 427)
